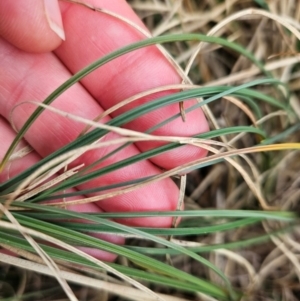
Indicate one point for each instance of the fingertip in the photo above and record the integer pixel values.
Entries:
(158, 197)
(54, 17)
(32, 25)
(114, 239)
(101, 254)
(194, 125)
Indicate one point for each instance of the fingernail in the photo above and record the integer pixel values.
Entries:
(54, 17)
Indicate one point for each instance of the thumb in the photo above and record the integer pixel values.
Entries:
(32, 25)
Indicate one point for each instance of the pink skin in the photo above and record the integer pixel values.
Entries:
(25, 75)
(16, 166)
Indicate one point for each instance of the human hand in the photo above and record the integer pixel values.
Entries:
(30, 71)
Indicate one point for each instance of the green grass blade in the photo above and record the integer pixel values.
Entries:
(66, 256)
(151, 41)
(139, 259)
(130, 230)
(80, 179)
(98, 228)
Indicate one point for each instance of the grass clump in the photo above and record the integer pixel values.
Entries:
(238, 235)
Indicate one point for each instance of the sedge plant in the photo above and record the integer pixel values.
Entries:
(35, 225)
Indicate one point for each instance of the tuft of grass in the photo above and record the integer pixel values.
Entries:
(238, 235)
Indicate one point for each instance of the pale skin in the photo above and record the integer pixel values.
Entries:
(35, 60)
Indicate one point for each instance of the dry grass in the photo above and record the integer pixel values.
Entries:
(269, 271)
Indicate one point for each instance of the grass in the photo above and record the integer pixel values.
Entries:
(238, 235)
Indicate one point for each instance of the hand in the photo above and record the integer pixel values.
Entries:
(35, 60)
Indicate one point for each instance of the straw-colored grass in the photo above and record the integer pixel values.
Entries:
(241, 201)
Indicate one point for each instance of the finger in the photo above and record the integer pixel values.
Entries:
(92, 35)
(32, 25)
(17, 165)
(25, 76)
